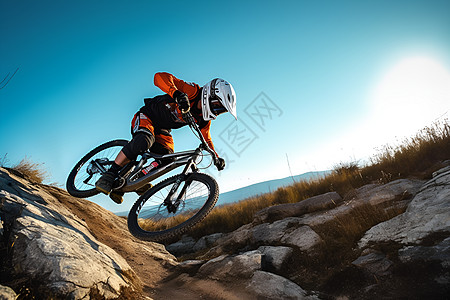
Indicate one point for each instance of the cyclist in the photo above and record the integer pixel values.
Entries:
(152, 124)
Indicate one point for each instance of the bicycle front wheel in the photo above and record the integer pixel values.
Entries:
(173, 206)
(82, 178)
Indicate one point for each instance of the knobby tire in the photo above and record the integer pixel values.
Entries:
(178, 229)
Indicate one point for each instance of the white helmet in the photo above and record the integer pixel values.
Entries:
(218, 96)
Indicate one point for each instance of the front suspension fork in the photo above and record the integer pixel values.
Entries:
(172, 206)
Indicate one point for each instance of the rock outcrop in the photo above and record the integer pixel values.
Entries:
(428, 213)
(419, 239)
(60, 254)
(266, 285)
(406, 226)
(292, 225)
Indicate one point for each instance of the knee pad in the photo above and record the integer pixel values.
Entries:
(140, 143)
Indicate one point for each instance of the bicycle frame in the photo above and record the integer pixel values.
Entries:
(186, 158)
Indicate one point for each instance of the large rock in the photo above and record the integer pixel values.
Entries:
(206, 242)
(231, 241)
(56, 244)
(375, 263)
(275, 258)
(282, 211)
(183, 246)
(228, 267)
(290, 232)
(303, 238)
(266, 285)
(188, 244)
(54, 247)
(427, 213)
(375, 194)
(439, 252)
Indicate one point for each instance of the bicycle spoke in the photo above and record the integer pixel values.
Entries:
(155, 215)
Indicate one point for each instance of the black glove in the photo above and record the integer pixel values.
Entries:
(182, 100)
(220, 164)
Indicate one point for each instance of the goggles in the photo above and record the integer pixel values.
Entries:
(215, 105)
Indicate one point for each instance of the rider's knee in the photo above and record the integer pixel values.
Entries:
(140, 143)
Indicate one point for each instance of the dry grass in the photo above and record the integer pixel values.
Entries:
(30, 170)
(4, 161)
(346, 229)
(418, 157)
(415, 156)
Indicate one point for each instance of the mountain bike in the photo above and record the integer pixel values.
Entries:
(166, 210)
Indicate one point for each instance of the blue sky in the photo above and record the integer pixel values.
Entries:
(317, 82)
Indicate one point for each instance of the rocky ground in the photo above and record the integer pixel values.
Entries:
(386, 241)
(67, 246)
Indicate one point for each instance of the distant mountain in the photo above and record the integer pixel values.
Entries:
(265, 187)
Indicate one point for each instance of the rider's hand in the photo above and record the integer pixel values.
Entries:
(220, 164)
(182, 100)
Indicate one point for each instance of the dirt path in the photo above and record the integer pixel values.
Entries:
(191, 288)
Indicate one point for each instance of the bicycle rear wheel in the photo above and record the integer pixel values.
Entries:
(82, 178)
(154, 218)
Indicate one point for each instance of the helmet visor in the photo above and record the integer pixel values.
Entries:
(216, 107)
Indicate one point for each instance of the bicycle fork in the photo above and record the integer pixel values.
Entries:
(172, 206)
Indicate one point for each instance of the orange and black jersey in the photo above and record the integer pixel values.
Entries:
(164, 111)
(169, 84)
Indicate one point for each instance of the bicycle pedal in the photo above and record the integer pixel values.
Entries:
(116, 197)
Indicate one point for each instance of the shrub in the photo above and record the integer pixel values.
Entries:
(34, 172)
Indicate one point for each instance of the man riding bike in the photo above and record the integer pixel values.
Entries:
(152, 124)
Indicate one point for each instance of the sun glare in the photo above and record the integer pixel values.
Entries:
(412, 94)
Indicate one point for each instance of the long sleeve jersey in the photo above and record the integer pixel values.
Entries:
(164, 111)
